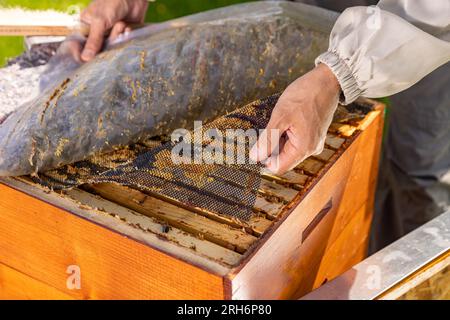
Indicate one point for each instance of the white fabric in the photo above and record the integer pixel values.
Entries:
(379, 51)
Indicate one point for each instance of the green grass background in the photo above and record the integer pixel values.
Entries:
(161, 10)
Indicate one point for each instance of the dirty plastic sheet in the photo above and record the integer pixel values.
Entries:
(194, 68)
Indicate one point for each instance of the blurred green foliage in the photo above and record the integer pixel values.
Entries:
(60, 5)
(158, 11)
(162, 10)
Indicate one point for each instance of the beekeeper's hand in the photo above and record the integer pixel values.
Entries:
(105, 15)
(301, 119)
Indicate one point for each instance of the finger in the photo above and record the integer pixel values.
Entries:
(74, 48)
(268, 141)
(290, 156)
(117, 30)
(125, 34)
(86, 16)
(95, 40)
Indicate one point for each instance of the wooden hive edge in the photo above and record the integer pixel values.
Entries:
(148, 239)
(175, 216)
(12, 282)
(287, 210)
(180, 252)
(377, 109)
(420, 283)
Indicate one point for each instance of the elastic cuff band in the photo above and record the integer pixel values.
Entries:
(347, 81)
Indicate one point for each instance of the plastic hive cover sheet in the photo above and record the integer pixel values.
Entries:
(194, 68)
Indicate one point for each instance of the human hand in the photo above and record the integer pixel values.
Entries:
(105, 15)
(301, 119)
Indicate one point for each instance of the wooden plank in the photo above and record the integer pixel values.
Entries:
(340, 252)
(429, 283)
(274, 189)
(259, 225)
(311, 166)
(15, 285)
(41, 241)
(148, 224)
(219, 233)
(22, 26)
(292, 265)
(436, 287)
(291, 178)
(102, 218)
(345, 130)
(333, 141)
(360, 187)
(325, 155)
(370, 117)
(272, 209)
(34, 30)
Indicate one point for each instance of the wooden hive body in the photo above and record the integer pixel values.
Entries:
(312, 225)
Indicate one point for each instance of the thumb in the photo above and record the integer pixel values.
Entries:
(95, 40)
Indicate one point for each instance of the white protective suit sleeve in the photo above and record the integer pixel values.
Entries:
(379, 51)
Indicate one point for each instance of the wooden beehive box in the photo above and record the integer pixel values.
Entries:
(312, 225)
